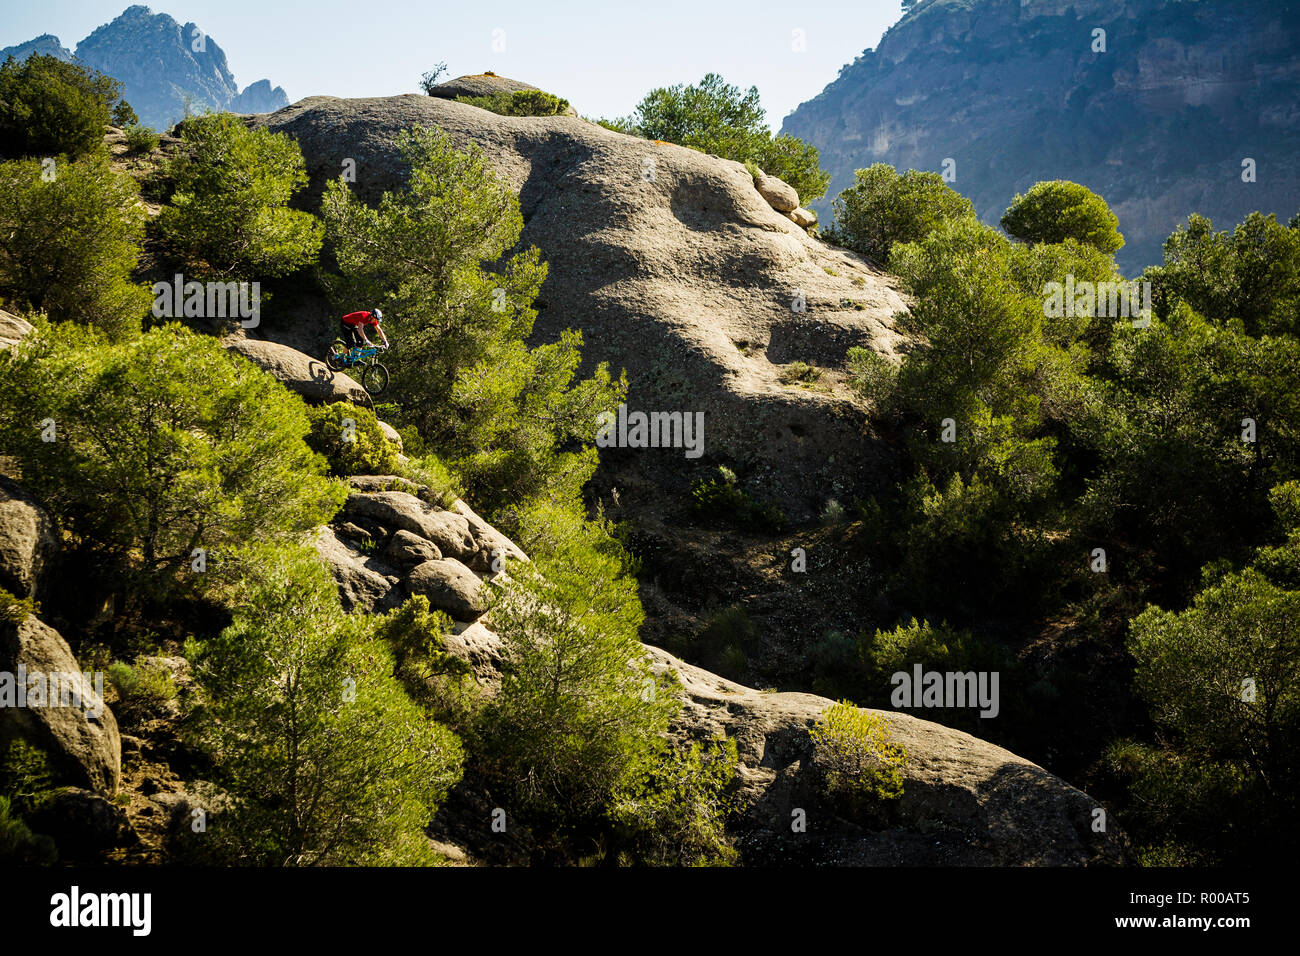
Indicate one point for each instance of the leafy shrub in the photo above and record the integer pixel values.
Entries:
(68, 246)
(721, 499)
(143, 688)
(350, 439)
(18, 844)
(166, 443)
(801, 374)
(674, 810)
(519, 103)
(328, 759)
(716, 117)
(25, 776)
(430, 78)
(229, 215)
(416, 634)
(14, 608)
(579, 710)
(1059, 210)
(141, 140)
(51, 108)
(883, 208)
(853, 748)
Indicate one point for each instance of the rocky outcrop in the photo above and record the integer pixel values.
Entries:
(388, 544)
(309, 377)
(779, 194)
(674, 267)
(75, 728)
(27, 540)
(965, 802)
(12, 328)
(1006, 93)
(479, 84)
(259, 98)
(47, 44)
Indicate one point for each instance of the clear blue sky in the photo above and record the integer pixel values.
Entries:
(603, 55)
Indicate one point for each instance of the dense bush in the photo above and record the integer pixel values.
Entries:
(855, 752)
(519, 103)
(162, 444)
(579, 711)
(884, 207)
(68, 245)
(1059, 210)
(328, 759)
(351, 440)
(52, 108)
(719, 118)
(229, 215)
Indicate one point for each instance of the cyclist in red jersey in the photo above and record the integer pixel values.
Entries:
(355, 324)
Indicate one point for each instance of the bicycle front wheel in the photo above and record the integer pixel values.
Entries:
(375, 378)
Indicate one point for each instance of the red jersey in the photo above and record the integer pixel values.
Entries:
(360, 318)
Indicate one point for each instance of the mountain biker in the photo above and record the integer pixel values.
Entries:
(355, 324)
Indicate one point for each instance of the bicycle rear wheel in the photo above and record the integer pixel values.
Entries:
(375, 378)
(336, 357)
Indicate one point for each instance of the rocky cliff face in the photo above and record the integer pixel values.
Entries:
(47, 44)
(673, 266)
(163, 65)
(1011, 90)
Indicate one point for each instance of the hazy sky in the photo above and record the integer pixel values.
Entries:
(602, 56)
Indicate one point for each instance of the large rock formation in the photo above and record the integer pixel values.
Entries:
(965, 801)
(164, 67)
(309, 377)
(1013, 92)
(27, 540)
(672, 265)
(77, 732)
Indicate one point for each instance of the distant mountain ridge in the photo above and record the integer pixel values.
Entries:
(1013, 92)
(163, 66)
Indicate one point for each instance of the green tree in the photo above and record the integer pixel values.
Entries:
(719, 118)
(52, 108)
(579, 711)
(1222, 679)
(229, 215)
(350, 439)
(884, 207)
(68, 244)
(161, 445)
(329, 761)
(1251, 274)
(1059, 210)
(519, 103)
(511, 420)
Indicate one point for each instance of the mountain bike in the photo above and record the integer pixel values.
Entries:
(373, 377)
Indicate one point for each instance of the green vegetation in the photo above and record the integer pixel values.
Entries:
(141, 140)
(579, 711)
(350, 439)
(719, 118)
(854, 750)
(519, 103)
(332, 763)
(511, 420)
(51, 108)
(69, 240)
(883, 207)
(162, 444)
(228, 216)
(1060, 210)
(721, 499)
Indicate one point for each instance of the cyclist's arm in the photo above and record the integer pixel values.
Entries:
(382, 337)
